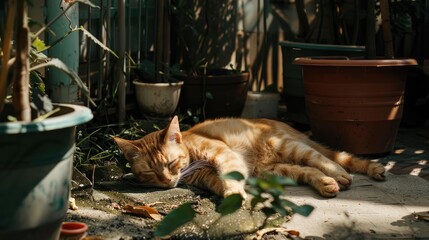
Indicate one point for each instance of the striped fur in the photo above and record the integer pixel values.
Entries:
(252, 147)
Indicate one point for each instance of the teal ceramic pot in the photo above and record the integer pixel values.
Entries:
(35, 173)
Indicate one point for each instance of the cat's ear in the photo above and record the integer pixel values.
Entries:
(130, 151)
(173, 132)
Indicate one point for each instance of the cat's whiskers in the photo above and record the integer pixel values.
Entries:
(192, 167)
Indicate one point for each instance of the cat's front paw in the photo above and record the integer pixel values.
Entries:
(377, 171)
(328, 187)
(234, 188)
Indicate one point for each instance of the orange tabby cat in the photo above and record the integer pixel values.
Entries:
(251, 147)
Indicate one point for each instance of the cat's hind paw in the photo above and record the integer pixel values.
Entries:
(377, 171)
(328, 187)
(344, 181)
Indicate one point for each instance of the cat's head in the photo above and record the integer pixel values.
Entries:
(157, 158)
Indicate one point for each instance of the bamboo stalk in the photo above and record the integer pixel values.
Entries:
(385, 21)
(21, 99)
(370, 30)
(6, 52)
(120, 70)
(159, 43)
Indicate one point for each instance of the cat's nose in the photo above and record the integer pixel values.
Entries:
(166, 180)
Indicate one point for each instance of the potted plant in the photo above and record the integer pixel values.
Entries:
(213, 87)
(356, 104)
(333, 32)
(37, 138)
(157, 93)
(156, 87)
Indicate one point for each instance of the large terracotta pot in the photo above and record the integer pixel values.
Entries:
(355, 105)
(293, 85)
(221, 93)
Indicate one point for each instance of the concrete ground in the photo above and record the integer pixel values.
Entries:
(368, 210)
(371, 209)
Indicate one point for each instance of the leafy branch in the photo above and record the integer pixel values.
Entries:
(266, 195)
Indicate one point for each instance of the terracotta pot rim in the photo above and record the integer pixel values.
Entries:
(318, 46)
(72, 228)
(242, 73)
(230, 79)
(347, 62)
(136, 82)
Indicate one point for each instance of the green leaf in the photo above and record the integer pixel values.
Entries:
(235, 175)
(156, 127)
(38, 44)
(278, 181)
(209, 95)
(254, 191)
(176, 218)
(54, 62)
(268, 211)
(264, 185)
(230, 204)
(278, 206)
(253, 181)
(275, 192)
(96, 41)
(303, 210)
(87, 2)
(196, 119)
(285, 181)
(256, 200)
(45, 116)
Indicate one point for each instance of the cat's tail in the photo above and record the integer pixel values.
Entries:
(352, 163)
(355, 164)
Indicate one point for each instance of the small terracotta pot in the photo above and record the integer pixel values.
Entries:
(73, 231)
(355, 105)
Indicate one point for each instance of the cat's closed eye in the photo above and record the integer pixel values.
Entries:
(173, 163)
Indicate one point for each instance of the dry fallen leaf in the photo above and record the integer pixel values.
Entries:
(72, 204)
(422, 216)
(280, 230)
(115, 206)
(145, 211)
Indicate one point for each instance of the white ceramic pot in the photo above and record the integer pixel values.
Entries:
(261, 105)
(157, 100)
